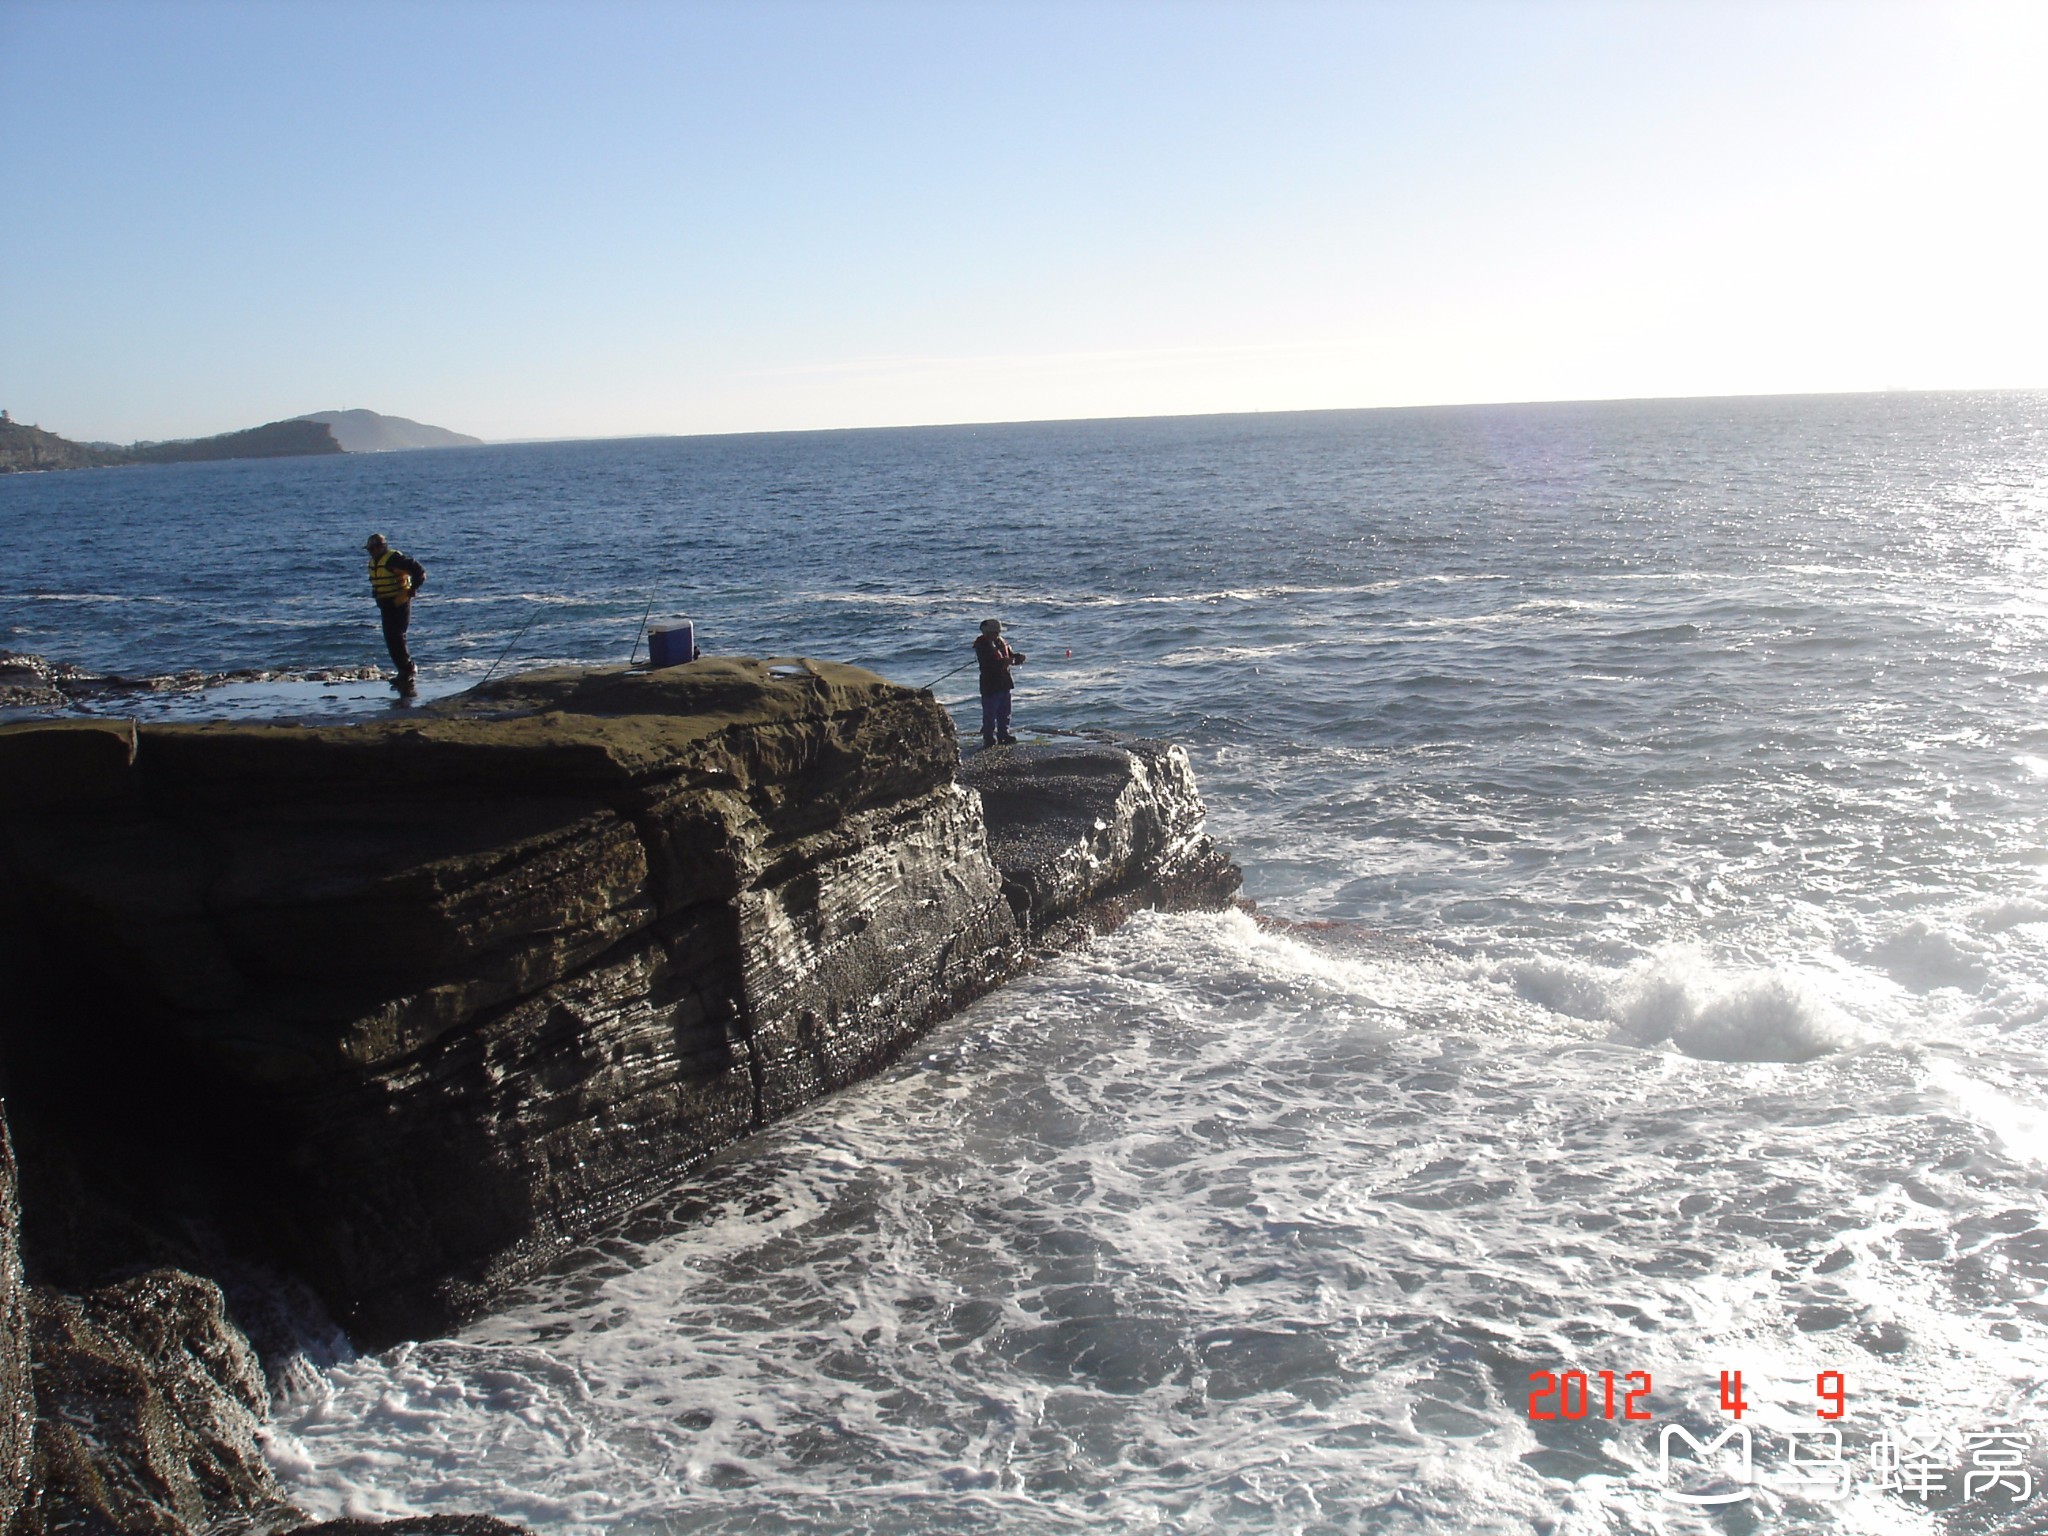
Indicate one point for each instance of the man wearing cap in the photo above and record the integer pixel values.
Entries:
(996, 658)
(393, 580)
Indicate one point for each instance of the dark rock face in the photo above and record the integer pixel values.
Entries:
(419, 1525)
(406, 1008)
(149, 1402)
(17, 1395)
(422, 1000)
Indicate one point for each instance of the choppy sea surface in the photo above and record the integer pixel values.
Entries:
(1645, 804)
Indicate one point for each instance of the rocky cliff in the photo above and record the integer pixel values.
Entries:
(23, 447)
(407, 1007)
(1085, 828)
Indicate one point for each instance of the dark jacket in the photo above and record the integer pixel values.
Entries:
(996, 657)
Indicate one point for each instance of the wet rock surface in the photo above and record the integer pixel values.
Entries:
(149, 1406)
(421, 1525)
(31, 683)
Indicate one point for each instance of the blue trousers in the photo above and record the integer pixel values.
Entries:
(995, 715)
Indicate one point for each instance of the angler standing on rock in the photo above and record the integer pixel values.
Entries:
(393, 581)
(996, 658)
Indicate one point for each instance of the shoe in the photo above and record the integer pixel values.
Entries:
(1008, 741)
(987, 742)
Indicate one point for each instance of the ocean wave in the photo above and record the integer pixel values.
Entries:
(1704, 1011)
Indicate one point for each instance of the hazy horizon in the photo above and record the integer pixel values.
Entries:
(1049, 421)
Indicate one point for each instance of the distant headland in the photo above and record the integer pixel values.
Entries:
(24, 447)
(368, 432)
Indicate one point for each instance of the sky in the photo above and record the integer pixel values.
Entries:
(621, 217)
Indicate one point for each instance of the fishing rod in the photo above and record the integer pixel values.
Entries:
(966, 664)
(530, 617)
(641, 632)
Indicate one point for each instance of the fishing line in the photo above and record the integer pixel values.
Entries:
(515, 640)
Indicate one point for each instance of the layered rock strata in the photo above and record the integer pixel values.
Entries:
(407, 1007)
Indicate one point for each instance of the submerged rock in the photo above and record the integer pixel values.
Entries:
(407, 1007)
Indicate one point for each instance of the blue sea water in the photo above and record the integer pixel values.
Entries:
(1645, 803)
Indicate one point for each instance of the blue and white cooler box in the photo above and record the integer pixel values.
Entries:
(671, 642)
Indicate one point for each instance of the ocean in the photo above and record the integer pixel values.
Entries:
(1645, 1015)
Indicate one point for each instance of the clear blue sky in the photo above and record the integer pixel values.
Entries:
(604, 218)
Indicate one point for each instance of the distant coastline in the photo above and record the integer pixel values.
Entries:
(24, 447)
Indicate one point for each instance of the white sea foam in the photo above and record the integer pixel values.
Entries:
(1924, 956)
(2015, 912)
(1228, 1228)
(1703, 1010)
(2020, 1124)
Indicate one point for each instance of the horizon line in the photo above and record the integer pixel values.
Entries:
(1047, 421)
(1304, 410)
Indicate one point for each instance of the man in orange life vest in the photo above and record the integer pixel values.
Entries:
(393, 580)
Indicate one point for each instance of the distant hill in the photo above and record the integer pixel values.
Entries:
(273, 440)
(25, 447)
(368, 432)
